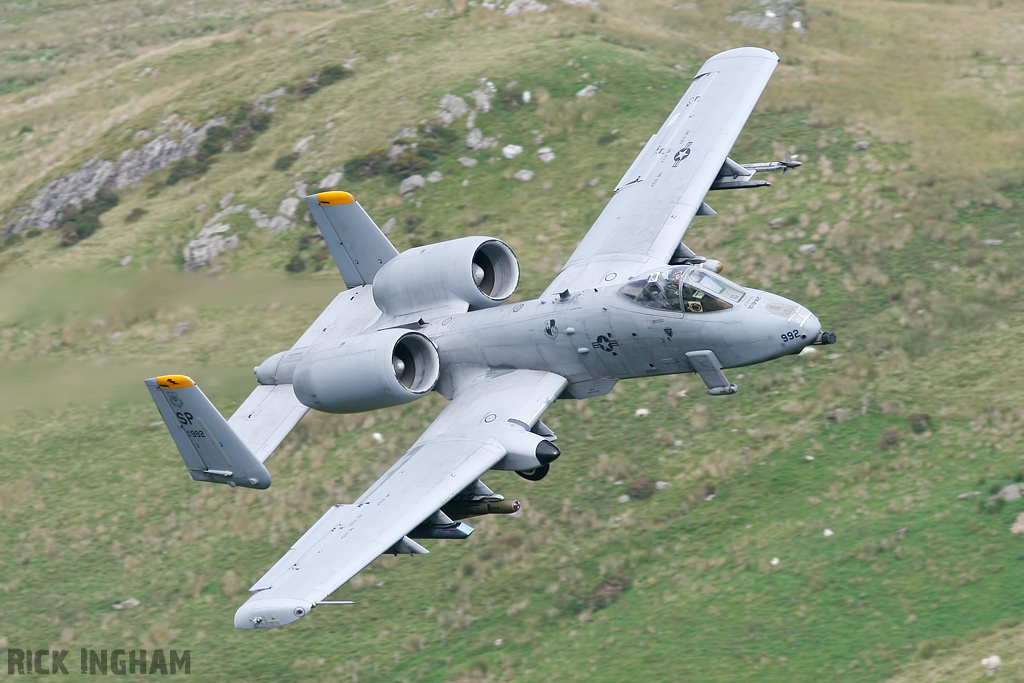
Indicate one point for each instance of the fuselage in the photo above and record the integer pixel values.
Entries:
(592, 337)
(598, 336)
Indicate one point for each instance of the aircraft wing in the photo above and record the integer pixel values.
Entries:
(488, 407)
(665, 186)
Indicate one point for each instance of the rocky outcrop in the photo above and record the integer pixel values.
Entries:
(46, 209)
(778, 15)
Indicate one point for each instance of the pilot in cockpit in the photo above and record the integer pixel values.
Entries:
(669, 291)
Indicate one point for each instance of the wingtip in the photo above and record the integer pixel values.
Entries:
(262, 613)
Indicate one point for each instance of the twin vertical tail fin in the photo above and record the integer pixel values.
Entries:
(211, 449)
(232, 451)
(358, 246)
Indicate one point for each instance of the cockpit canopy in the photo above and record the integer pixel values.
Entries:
(685, 289)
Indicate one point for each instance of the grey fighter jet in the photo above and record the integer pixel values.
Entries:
(632, 301)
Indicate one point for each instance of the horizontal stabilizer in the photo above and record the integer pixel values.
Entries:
(211, 450)
(358, 246)
(266, 417)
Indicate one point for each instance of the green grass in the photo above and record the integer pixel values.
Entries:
(96, 507)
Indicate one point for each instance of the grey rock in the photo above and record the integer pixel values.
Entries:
(180, 329)
(127, 604)
(331, 180)
(208, 244)
(523, 175)
(806, 249)
(511, 151)
(452, 107)
(46, 209)
(288, 206)
(476, 140)
(280, 224)
(1011, 492)
(200, 208)
(762, 22)
(546, 154)
(302, 146)
(388, 226)
(861, 146)
(411, 184)
(125, 261)
(435, 177)
(263, 103)
(624, 498)
(407, 133)
(225, 201)
(116, 335)
(467, 162)
(523, 6)
(588, 91)
(482, 96)
(261, 219)
(991, 243)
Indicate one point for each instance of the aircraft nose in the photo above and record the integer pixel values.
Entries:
(794, 325)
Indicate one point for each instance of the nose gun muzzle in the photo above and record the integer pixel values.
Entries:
(825, 338)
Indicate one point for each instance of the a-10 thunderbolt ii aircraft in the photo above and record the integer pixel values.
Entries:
(632, 301)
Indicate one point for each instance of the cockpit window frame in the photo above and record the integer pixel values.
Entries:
(725, 289)
(671, 290)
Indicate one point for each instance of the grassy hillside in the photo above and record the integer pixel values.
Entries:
(917, 268)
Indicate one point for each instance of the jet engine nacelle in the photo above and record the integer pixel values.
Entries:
(371, 371)
(479, 271)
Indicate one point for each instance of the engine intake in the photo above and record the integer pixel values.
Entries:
(371, 371)
(479, 271)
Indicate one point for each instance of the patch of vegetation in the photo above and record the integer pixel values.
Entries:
(641, 488)
(372, 164)
(135, 214)
(328, 75)
(12, 84)
(79, 222)
(187, 169)
(431, 143)
(311, 247)
(607, 594)
(286, 161)
(243, 122)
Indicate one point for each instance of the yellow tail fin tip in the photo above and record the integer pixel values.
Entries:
(334, 198)
(174, 382)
